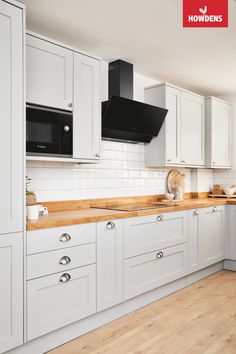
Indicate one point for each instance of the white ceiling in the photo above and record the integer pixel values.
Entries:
(147, 33)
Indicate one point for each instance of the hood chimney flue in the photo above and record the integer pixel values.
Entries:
(121, 79)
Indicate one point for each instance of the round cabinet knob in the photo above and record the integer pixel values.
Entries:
(65, 278)
(66, 128)
(65, 260)
(97, 155)
(110, 225)
(195, 212)
(214, 209)
(169, 160)
(159, 254)
(70, 105)
(182, 161)
(65, 238)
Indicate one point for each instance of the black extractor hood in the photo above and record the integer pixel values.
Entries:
(124, 119)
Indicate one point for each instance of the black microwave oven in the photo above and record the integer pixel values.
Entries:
(49, 131)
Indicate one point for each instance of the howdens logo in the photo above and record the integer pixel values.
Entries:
(205, 13)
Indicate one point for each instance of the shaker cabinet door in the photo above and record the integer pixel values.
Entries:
(172, 123)
(11, 294)
(86, 117)
(221, 134)
(194, 240)
(192, 129)
(59, 299)
(213, 235)
(109, 263)
(49, 74)
(11, 119)
(231, 244)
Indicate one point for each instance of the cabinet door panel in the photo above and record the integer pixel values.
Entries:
(49, 74)
(52, 304)
(192, 129)
(109, 264)
(11, 119)
(194, 241)
(231, 247)
(11, 294)
(86, 118)
(46, 263)
(145, 233)
(213, 235)
(146, 272)
(172, 123)
(45, 240)
(221, 134)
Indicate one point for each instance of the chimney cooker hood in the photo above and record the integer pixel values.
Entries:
(124, 119)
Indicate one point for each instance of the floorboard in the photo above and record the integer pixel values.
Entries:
(200, 319)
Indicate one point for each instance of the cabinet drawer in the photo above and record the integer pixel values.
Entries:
(147, 272)
(46, 263)
(147, 233)
(52, 304)
(60, 237)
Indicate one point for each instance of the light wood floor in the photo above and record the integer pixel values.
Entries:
(200, 319)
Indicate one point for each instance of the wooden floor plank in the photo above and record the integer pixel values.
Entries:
(200, 319)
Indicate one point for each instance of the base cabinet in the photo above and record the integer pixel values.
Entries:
(206, 237)
(109, 264)
(213, 235)
(145, 234)
(57, 300)
(194, 240)
(149, 271)
(231, 244)
(11, 293)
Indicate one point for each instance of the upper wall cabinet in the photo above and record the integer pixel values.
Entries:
(11, 118)
(62, 78)
(49, 74)
(181, 140)
(218, 133)
(192, 129)
(86, 112)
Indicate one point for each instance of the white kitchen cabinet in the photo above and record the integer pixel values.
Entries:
(109, 263)
(145, 234)
(213, 235)
(87, 110)
(195, 245)
(11, 118)
(192, 129)
(46, 263)
(11, 293)
(149, 271)
(56, 238)
(218, 133)
(57, 300)
(181, 140)
(231, 241)
(49, 74)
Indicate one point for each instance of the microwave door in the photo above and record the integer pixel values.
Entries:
(42, 134)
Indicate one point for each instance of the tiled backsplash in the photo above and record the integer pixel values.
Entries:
(121, 172)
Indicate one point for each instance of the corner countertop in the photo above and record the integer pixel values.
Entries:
(86, 215)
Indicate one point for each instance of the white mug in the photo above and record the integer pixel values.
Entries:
(32, 212)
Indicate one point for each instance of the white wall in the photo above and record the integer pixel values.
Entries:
(121, 171)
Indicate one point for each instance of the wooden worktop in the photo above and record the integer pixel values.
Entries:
(86, 212)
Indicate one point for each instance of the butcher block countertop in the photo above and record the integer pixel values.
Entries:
(79, 212)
